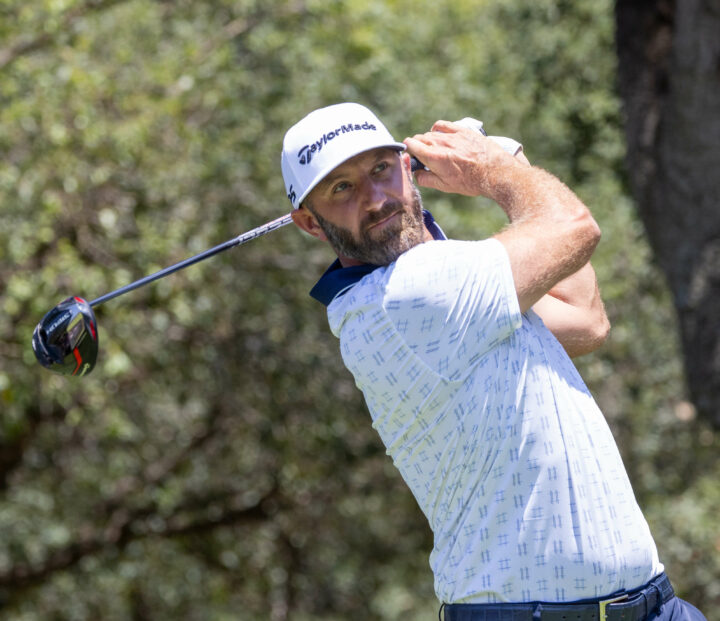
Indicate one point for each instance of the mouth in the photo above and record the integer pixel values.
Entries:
(380, 224)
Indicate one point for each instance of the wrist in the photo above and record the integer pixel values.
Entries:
(507, 183)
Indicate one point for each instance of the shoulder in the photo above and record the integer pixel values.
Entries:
(441, 254)
(451, 248)
(430, 274)
(428, 268)
(438, 266)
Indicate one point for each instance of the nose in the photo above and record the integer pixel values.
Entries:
(374, 195)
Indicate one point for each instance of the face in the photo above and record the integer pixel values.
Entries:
(368, 208)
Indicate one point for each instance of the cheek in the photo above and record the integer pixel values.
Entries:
(346, 219)
(407, 186)
(351, 219)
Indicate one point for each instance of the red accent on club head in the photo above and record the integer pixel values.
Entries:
(92, 330)
(79, 360)
(79, 300)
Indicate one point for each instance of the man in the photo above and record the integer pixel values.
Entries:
(462, 351)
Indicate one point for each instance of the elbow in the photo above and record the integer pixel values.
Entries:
(602, 331)
(599, 326)
(595, 231)
(583, 236)
(595, 336)
(588, 232)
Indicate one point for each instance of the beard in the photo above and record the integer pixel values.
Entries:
(386, 245)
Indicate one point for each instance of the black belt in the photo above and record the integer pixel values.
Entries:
(630, 606)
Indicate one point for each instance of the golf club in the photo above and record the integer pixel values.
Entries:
(66, 339)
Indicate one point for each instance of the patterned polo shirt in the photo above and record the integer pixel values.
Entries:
(492, 428)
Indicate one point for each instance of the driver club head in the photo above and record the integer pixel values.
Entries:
(66, 339)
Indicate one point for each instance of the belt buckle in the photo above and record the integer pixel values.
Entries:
(605, 603)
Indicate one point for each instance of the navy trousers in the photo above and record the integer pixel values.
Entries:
(677, 610)
(656, 601)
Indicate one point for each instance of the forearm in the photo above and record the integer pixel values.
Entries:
(579, 289)
(574, 312)
(551, 234)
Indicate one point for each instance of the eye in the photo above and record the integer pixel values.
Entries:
(380, 167)
(340, 187)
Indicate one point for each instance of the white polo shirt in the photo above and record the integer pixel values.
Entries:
(493, 429)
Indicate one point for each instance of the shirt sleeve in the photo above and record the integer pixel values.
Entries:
(452, 302)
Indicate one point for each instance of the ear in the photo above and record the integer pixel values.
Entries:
(407, 167)
(305, 220)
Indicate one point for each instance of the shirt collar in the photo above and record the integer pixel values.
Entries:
(338, 279)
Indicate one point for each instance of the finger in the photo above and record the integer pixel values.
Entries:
(520, 156)
(419, 146)
(428, 179)
(426, 138)
(446, 127)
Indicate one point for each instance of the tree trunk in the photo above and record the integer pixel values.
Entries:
(669, 80)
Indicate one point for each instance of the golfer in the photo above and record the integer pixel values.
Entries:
(463, 350)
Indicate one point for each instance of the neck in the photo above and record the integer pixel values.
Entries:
(348, 262)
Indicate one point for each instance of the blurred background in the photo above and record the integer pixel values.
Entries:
(219, 462)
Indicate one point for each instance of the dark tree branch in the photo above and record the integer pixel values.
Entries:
(10, 54)
(13, 449)
(126, 525)
(28, 45)
(159, 471)
(121, 522)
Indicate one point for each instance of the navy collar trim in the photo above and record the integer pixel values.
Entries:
(337, 279)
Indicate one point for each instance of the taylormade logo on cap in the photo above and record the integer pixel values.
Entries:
(323, 140)
(305, 154)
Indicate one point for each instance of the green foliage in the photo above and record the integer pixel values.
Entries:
(219, 463)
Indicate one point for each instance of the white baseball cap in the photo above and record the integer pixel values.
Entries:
(323, 140)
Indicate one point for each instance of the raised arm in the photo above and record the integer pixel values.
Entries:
(551, 234)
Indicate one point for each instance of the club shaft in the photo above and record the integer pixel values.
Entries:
(231, 243)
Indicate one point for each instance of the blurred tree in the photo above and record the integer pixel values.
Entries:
(668, 59)
(669, 78)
